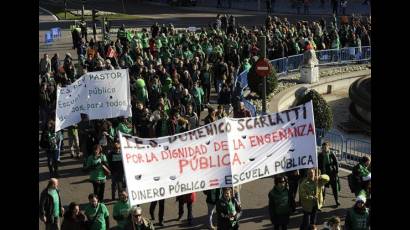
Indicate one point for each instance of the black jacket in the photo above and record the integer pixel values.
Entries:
(47, 205)
(115, 164)
(332, 168)
(208, 194)
(222, 212)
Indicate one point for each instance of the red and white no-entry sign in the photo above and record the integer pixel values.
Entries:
(263, 67)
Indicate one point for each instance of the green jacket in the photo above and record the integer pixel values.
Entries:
(198, 95)
(308, 190)
(120, 213)
(357, 221)
(279, 202)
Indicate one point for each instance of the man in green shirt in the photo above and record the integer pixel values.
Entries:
(51, 209)
(97, 214)
(198, 95)
(121, 210)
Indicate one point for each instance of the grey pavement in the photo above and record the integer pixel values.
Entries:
(201, 15)
(280, 6)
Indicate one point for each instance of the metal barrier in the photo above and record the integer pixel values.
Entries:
(293, 63)
(336, 141)
(48, 38)
(348, 150)
(330, 56)
(280, 65)
(356, 149)
(56, 32)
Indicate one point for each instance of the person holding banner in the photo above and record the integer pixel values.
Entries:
(137, 221)
(311, 196)
(228, 209)
(211, 117)
(117, 170)
(328, 165)
(97, 165)
(281, 204)
(189, 199)
(86, 135)
(212, 197)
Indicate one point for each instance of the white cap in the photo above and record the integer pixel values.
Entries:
(361, 198)
(367, 178)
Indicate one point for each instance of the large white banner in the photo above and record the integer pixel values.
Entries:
(102, 94)
(225, 153)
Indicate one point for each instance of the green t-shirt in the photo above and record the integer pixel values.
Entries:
(90, 212)
(98, 172)
(198, 94)
(121, 209)
(56, 202)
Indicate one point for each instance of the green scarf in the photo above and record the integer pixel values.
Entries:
(231, 210)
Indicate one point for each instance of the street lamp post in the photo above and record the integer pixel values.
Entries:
(65, 9)
(83, 8)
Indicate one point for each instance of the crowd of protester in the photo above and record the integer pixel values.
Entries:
(172, 75)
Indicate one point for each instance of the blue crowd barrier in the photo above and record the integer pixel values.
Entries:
(48, 38)
(56, 32)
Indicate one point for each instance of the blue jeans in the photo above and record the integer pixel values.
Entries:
(52, 163)
(219, 86)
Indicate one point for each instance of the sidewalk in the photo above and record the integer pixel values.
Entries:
(280, 7)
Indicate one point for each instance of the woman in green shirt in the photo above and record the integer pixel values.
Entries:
(97, 165)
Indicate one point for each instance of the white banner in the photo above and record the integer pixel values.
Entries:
(103, 94)
(225, 153)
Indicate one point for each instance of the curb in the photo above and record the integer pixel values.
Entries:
(52, 15)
